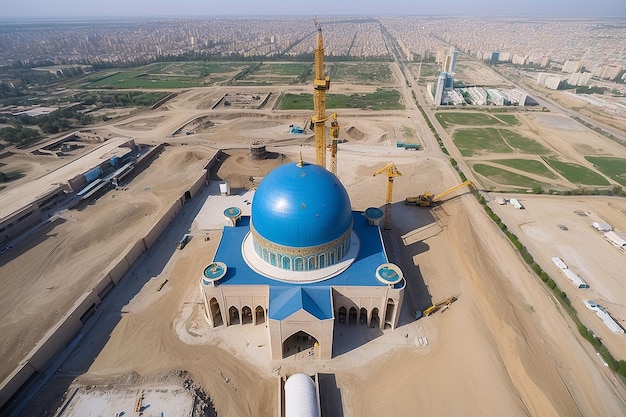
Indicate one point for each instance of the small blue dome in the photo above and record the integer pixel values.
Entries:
(301, 205)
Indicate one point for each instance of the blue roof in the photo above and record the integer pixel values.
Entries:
(362, 272)
(284, 302)
(301, 205)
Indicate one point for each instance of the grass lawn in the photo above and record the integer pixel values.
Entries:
(527, 165)
(505, 177)
(284, 70)
(523, 144)
(472, 142)
(613, 167)
(575, 173)
(167, 75)
(509, 119)
(467, 119)
(135, 79)
(378, 100)
(367, 73)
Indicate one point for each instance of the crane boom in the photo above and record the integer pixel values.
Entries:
(428, 199)
(453, 189)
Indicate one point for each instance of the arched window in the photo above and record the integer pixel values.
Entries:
(298, 264)
(273, 259)
(322, 260)
(286, 262)
(312, 263)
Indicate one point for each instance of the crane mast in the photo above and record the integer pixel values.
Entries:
(391, 171)
(320, 85)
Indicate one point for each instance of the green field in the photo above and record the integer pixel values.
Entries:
(276, 73)
(365, 73)
(527, 165)
(575, 173)
(471, 142)
(467, 119)
(610, 166)
(381, 99)
(166, 75)
(476, 141)
(509, 119)
(523, 144)
(503, 176)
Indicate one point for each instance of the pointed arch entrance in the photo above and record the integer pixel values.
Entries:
(259, 315)
(375, 320)
(389, 313)
(216, 314)
(352, 316)
(363, 316)
(233, 314)
(246, 315)
(301, 342)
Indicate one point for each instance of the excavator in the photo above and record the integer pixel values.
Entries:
(428, 199)
(430, 310)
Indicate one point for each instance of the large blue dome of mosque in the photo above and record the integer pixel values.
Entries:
(301, 205)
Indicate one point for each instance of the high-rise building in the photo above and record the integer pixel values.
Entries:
(441, 83)
(452, 61)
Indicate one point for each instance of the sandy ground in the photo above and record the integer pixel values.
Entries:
(504, 348)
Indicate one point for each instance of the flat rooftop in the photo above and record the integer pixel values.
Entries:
(362, 272)
(13, 199)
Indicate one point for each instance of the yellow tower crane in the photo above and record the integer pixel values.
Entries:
(392, 171)
(319, 119)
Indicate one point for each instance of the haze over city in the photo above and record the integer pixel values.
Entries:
(194, 222)
(42, 9)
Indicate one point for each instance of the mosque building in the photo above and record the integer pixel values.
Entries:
(302, 261)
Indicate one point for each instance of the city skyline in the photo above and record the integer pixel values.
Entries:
(40, 9)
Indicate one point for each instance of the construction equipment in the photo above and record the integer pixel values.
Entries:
(433, 308)
(392, 171)
(319, 119)
(428, 199)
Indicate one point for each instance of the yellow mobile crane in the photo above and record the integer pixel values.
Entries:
(428, 199)
(392, 171)
(319, 119)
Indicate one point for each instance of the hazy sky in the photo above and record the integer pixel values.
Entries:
(12, 9)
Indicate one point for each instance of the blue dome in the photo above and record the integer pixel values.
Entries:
(301, 205)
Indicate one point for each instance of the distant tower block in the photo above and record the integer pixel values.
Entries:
(257, 150)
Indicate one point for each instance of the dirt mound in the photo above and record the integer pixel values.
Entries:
(355, 133)
(191, 156)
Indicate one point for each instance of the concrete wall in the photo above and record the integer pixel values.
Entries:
(199, 184)
(159, 227)
(135, 252)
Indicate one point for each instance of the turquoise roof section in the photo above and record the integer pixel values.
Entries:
(284, 302)
(301, 205)
(362, 272)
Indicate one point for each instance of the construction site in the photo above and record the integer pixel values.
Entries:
(424, 283)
